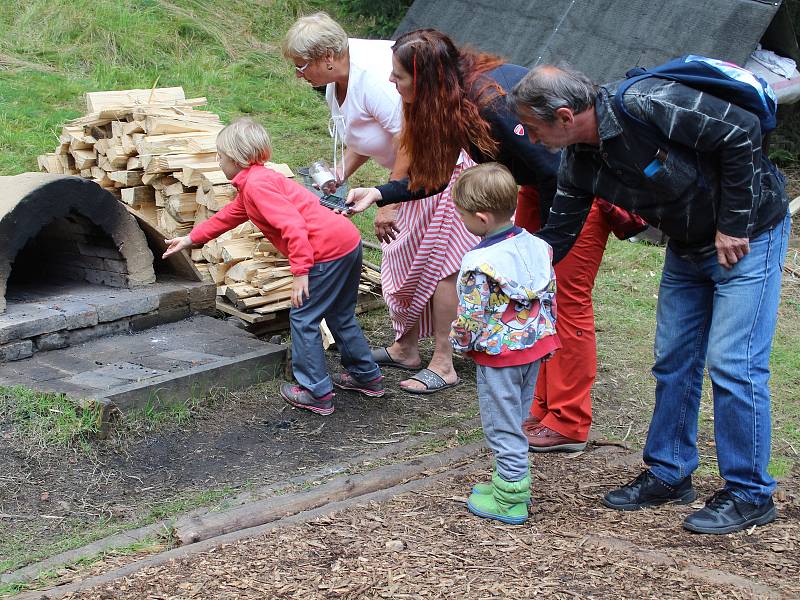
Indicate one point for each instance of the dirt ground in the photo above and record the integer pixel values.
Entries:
(426, 545)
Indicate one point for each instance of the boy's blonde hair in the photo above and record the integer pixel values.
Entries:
(488, 188)
(312, 36)
(245, 142)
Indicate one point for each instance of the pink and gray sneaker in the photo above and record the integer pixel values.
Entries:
(300, 397)
(373, 389)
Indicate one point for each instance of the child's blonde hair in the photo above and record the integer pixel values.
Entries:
(245, 142)
(488, 188)
(312, 36)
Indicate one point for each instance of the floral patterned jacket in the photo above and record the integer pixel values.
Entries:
(506, 292)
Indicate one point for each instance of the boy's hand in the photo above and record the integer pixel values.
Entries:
(176, 245)
(299, 290)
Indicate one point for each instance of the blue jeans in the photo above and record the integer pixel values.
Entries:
(724, 319)
(505, 395)
(333, 291)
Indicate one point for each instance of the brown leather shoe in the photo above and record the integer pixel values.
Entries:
(530, 425)
(544, 439)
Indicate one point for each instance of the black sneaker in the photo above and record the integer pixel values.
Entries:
(301, 398)
(648, 490)
(725, 513)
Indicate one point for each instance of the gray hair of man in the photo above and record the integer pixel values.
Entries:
(547, 88)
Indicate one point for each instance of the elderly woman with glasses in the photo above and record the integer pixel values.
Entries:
(423, 241)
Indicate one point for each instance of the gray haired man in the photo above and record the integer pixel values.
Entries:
(703, 180)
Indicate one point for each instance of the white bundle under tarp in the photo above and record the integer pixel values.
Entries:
(779, 71)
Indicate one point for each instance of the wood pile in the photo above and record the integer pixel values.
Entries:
(156, 152)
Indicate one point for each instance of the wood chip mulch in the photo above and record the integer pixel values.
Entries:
(426, 545)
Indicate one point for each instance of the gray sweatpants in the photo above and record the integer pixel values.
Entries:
(505, 395)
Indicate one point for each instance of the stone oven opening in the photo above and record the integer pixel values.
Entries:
(76, 265)
(69, 249)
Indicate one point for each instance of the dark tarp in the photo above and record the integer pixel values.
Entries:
(602, 38)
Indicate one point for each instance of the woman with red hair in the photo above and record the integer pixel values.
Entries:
(454, 99)
(454, 115)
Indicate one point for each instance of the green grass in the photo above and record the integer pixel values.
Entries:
(43, 421)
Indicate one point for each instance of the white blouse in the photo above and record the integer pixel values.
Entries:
(372, 111)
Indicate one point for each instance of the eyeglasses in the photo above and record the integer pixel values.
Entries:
(303, 68)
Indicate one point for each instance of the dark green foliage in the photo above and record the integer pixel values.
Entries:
(380, 17)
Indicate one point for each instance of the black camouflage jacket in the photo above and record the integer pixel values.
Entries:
(702, 172)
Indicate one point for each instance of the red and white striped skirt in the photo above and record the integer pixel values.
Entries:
(429, 247)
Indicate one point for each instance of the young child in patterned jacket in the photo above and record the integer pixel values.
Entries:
(506, 324)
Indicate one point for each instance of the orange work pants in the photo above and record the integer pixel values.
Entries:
(562, 400)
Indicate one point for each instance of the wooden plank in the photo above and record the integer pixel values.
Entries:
(98, 101)
(219, 196)
(155, 125)
(197, 143)
(244, 270)
(215, 177)
(258, 301)
(327, 336)
(223, 306)
(174, 162)
(134, 163)
(278, 284)
(281, 168)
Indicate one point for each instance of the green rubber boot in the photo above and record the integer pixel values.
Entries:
(507, 502)
(483, 488)
(488, 488)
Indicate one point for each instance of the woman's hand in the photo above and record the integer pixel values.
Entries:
(299, 290)
(176, 245)
(360, 199)
(386, 229)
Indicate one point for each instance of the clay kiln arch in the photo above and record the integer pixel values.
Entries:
(31, 201)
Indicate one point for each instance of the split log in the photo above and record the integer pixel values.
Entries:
(181, 207)
(136, 196)
(84, 159)
(126, 178)
(236, 250)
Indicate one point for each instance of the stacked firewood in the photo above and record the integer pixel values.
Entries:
(156, 152)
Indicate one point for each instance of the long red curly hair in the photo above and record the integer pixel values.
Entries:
(444, 114)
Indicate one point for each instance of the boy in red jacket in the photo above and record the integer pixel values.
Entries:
(324, 252)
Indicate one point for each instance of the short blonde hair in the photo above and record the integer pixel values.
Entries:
(312, 36)
(488, 188)
(245, 142)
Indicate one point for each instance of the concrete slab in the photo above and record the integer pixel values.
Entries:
(168, 363)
